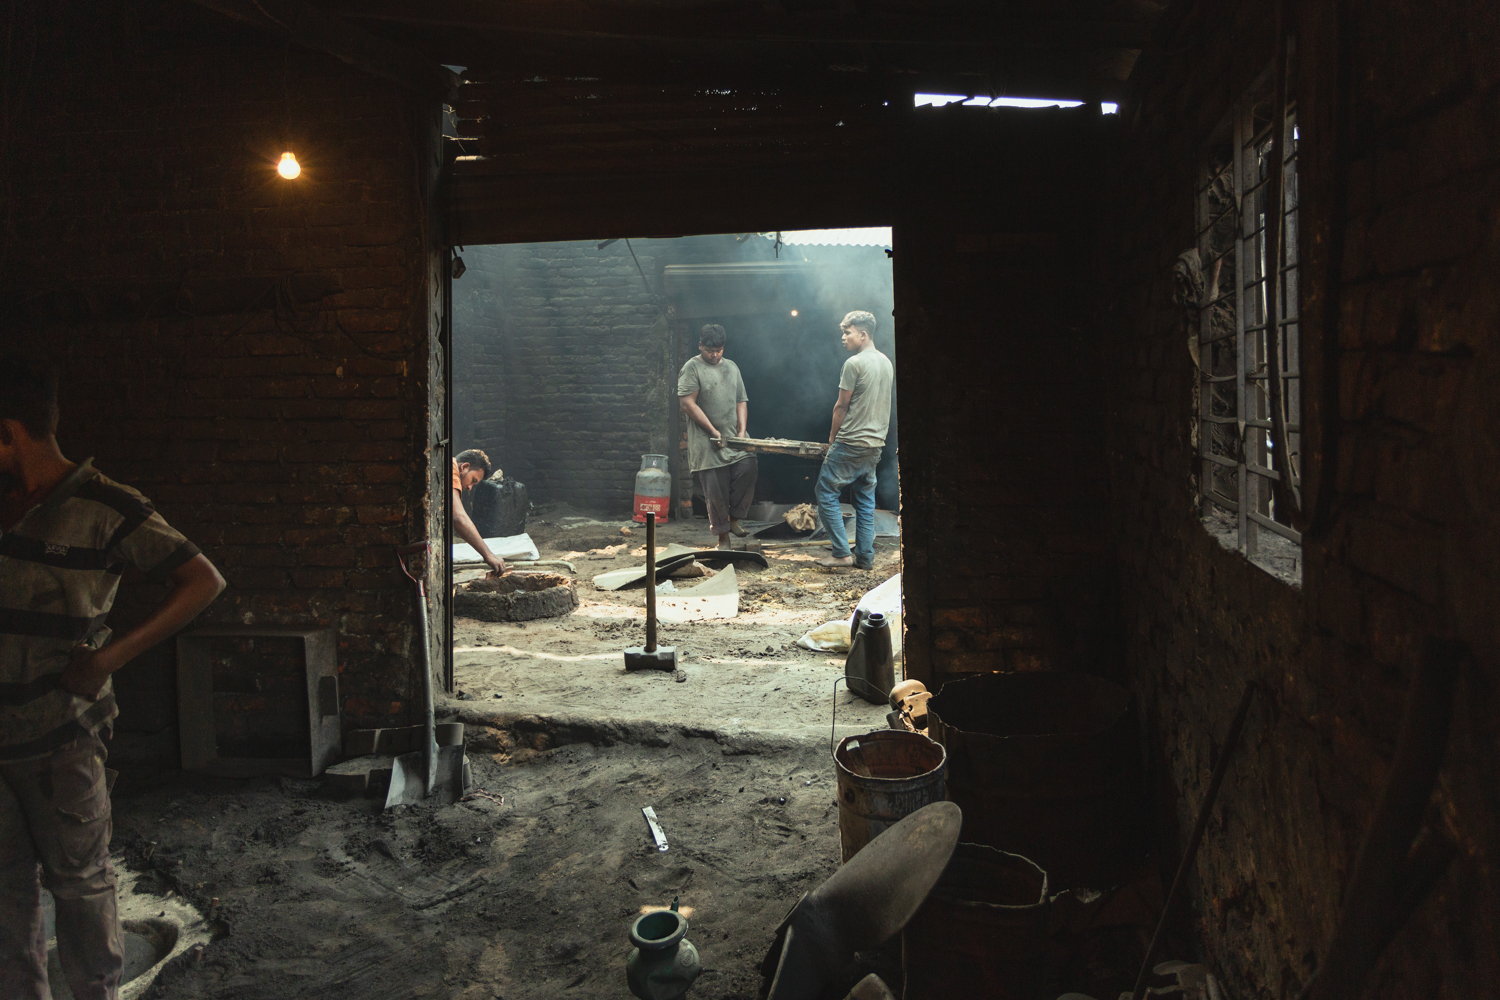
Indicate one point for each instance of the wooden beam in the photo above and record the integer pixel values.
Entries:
(750, 21)
(541, 207)
(322, 32)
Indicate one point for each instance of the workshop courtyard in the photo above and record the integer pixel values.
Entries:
(1168, 330)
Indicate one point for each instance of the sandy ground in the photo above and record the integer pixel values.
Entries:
(525, 890)
(745, 675)
(531, 898)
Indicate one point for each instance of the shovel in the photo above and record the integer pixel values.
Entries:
(433, 772)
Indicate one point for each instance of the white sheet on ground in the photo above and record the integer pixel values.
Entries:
(829, 637)
(885, 599)
(718, 597)
(509, 547)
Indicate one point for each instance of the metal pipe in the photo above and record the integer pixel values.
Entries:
(650, 582)
(1205, 809)
(1284, 488)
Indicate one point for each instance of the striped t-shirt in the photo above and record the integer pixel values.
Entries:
(60, 566)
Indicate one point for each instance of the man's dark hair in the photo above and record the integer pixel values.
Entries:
(476, 459)
(712, 335)
(28, 393)
(861, 320)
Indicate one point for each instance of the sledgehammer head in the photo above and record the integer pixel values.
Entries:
(661, 658)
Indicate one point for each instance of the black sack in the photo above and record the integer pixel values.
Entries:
(500, 509)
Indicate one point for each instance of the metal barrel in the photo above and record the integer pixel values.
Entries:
(982, 931)
(902, 772)
(1046, 765)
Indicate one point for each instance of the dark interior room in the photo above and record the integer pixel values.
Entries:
(463, 398)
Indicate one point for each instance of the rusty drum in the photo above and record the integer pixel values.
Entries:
(882, 777)
(1046, 765)
(982, 931)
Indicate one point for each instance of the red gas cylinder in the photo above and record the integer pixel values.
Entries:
(653, 489)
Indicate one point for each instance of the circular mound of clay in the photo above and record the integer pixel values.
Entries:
(516, 597)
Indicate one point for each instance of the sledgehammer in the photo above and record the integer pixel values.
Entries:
(649, 657)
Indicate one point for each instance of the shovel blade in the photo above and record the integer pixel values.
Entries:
(408, 778)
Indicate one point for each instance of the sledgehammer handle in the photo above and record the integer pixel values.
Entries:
(650, 582)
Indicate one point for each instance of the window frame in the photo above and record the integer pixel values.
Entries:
(1253, 461)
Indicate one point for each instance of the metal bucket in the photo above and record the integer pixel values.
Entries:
(982, 931)
(903, 771)
(1045, 765)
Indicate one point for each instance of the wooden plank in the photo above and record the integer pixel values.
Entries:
(980, 26)
(779, 446)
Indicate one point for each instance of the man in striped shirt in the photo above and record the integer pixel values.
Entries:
(66, 534)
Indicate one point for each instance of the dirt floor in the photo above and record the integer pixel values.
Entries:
(529, 897)
(527, 888)
(744, 675)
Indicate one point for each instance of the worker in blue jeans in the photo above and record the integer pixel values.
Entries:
(861, 418)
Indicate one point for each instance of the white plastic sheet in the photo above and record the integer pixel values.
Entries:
(885, 599)
(829, 637)
(509, 547)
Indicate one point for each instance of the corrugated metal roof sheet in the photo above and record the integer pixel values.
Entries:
(871, 236)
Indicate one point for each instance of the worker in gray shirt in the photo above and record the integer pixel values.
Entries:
(861, 418)
(712, 394)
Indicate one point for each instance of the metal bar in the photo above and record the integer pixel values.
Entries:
(651, 584)
(657, 834)
(1220, 500)
(1261, 470)
(1200, 826)
(1243, 500)
(1280, 529)
(1220, 420)
(1220, 460)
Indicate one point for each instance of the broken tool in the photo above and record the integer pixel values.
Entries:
(649, 656)
(656, 830)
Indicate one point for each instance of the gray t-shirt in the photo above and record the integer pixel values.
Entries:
(720, 388)
(870, 375)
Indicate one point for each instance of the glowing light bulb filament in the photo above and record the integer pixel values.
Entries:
(288, 167)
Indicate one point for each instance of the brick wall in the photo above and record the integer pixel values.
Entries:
(250, 353)
(1404, 543)
(1008, 562)
(565, 373)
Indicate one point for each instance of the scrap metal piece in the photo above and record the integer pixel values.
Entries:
(863, 904)
(778, 446)
(656, 830)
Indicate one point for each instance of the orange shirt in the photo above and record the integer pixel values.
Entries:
(458, 482)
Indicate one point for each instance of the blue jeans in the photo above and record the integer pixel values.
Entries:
(849, 466)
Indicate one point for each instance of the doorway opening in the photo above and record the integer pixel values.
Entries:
(568, 361)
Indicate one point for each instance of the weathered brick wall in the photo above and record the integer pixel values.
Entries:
(1008, 562)
(1405, 545)
(251, 353)
(567, 340)
(564, 370)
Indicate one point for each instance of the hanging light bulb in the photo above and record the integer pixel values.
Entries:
(289, 167)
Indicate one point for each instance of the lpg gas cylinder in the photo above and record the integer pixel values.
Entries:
(653, 489)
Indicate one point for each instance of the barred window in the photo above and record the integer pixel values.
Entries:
(1243, 342)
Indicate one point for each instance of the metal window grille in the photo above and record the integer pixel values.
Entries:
(1237, 352)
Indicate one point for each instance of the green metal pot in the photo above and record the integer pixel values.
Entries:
(663, 963)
